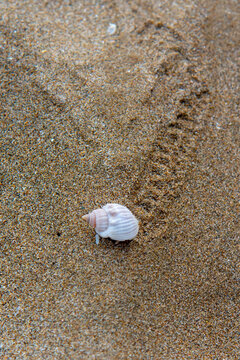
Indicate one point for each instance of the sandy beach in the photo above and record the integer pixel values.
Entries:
(133, 102)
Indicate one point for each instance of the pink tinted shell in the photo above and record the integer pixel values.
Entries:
(114, 221)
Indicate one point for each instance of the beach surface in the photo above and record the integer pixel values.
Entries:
(136, 103)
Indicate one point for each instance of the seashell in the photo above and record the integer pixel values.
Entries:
(114, 221)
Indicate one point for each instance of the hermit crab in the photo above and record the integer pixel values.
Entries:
(113, 221)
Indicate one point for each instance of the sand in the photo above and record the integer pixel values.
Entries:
(144, 113)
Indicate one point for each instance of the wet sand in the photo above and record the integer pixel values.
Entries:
(147, 116)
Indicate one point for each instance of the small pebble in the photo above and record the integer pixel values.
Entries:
(112, 28)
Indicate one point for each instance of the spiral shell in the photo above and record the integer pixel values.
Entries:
(114, 221)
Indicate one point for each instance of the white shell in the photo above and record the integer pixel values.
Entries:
(114, 221)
